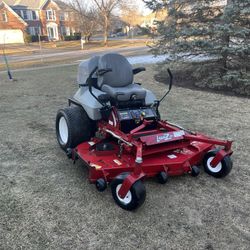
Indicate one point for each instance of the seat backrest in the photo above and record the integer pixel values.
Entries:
(121, 74)
(85, 69)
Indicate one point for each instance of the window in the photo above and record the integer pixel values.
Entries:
(50, 15)
(66, 15)
(63, 30)
(34, 30)
(24, 14)
(62, 17)
(68, 31)
(34, 15)
(18, 12)
(37, 30)
(31, 31)
(5, 17)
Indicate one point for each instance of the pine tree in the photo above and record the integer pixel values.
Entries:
(234, 35)
(218, 29)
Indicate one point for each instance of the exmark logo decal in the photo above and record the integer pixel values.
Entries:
(169, 136)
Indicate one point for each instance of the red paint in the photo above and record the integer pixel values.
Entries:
(164, 148)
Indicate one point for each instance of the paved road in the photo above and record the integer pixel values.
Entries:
(74, 54)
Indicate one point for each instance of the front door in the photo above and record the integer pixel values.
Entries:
(52, 32)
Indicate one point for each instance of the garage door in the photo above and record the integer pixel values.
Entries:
(11, 36)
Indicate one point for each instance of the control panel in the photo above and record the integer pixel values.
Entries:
(131, 114)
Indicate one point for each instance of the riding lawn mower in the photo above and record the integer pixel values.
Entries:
(114, 126)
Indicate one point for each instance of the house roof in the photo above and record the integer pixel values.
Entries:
(62, 5)
(28, 4)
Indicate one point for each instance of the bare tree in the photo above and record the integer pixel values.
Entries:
(130, 14)
(106, 8)
(86, 17)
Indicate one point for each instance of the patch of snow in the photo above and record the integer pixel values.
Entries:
(146, 59)
(149, 59)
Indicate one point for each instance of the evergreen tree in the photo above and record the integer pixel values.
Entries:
(233, 34)
(218, 29)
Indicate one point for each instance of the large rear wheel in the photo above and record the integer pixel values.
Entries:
(73, 126)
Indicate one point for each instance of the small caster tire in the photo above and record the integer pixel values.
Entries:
(69, 153)
(162, 177)
(135, 196)
(101, 185)
(195, 171)
(222, 169)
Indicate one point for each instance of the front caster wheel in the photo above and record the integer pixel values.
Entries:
(222, 169)
(195, 171)
(162, 177)
(101, 185)
(135, 196)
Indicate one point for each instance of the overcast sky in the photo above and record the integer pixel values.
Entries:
(143, 8)
(141, 4)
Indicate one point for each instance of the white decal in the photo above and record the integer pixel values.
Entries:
(171, 156)
(111, 123)
(168, 136)
(117, 162)
(95, 166)
(164, 137)
(179, 133)
(91, 143)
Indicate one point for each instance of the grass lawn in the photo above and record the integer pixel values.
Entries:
(46, 202)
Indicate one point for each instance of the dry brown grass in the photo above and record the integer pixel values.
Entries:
(46, 202)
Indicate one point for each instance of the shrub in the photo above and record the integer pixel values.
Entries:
(76, 36)
(42, 38)
(32, 39)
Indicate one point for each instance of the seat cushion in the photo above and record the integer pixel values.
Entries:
(132, 91)
(121, 74)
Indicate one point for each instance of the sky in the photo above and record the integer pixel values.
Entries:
(141, 4)
(143, 8)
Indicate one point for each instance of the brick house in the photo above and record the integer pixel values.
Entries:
(68, 21)
(12, 27)
(53, 19)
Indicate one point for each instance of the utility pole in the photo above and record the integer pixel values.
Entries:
(6, 61)
(40, 46)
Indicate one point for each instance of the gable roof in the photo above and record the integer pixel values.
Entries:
(13, 12)
(28, 4)
(62, 5)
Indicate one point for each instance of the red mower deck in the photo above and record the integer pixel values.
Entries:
(148, 153)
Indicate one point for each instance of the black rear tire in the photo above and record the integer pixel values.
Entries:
(222, 169)
(73, 126)
(134, 198)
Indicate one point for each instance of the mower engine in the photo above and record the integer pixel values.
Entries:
(129, 119)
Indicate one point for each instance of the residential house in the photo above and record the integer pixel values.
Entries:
(42, 17)
(12, 27)
(68, 21)
(150, 19)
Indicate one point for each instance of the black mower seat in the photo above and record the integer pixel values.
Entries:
(130, 92)
(119, 82)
